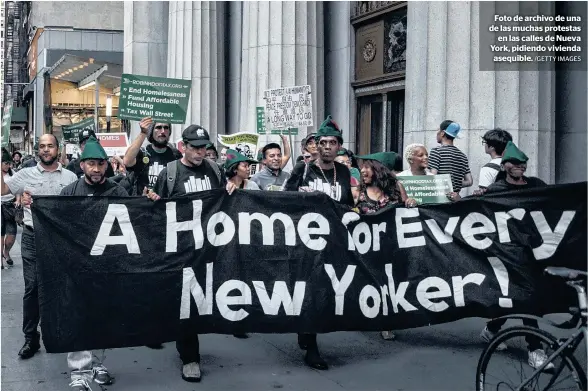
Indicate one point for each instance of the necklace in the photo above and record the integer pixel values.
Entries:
(334, 186)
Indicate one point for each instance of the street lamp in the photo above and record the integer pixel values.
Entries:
(108, 112)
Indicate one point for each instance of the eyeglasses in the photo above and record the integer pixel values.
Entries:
(484, 142)
(164, 127)
(306, 156)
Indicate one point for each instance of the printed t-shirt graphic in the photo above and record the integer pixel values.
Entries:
(339, 189)
(188, 180)
(150, 164)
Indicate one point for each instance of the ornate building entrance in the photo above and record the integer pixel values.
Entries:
(380, 64)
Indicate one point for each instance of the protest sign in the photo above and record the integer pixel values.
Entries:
(261, 125)
(162, 99)
(283, 262)
(72, 149)
(427, 189)
(70, 132)
(114, 143)
(288, 107)
(244, 143)
(6, 122)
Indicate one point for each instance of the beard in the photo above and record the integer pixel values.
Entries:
(92, 181)
(48, 161)
(160, 143)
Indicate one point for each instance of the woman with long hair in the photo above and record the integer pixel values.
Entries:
(237, 170)
(380, 189)
(9, 204)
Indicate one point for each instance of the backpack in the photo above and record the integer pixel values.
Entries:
(172, 173)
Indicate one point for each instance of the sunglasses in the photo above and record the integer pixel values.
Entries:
(306, 156)
(164, 127)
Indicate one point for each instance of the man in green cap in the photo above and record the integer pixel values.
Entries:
(334, 179)
(94, 163)
(514, 164)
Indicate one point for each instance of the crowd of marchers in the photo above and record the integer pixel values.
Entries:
(366, 183)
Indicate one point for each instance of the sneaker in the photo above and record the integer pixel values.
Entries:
(538, 358)
(101, 375)
(191, 372)
(79, 385)
(388, 335)
(488, 336)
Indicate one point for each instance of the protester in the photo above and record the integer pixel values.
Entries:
(47, 178)
(272, 176)
(494, 141)
(237, 170)
(211, 152)
(193, 173)
(94, 163)
(416, 156)
(9, 204)
(309, 146)
(448, 159)
(145, 165)
(329, 177)
(118, 166)
(223, 155)
(514, 162)
(32, 160)
(74, 165)
(16, 160)
(345, 157)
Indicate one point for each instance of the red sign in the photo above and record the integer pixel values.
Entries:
(114, 143)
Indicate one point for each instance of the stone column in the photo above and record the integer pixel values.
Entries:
(445, 37)
(235, 31)
(282, 47)
(145, 41)
(339, 65)
(196, 43)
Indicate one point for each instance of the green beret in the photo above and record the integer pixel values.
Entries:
(234, 158)
(511, 152)
(329, 128)
(388, 159)
(93, 150)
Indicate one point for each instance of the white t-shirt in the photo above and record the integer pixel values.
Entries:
(8, 197)
(488, 174)
(409, 173)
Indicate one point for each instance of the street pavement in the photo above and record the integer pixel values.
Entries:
(442, 357)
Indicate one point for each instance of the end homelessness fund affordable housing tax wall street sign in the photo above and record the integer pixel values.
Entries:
(288, 107)
(160, 98)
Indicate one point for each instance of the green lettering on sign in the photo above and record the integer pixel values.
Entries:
(427, 189)
(160, 98)
(260, 117)
(6, 122)
(71, 132)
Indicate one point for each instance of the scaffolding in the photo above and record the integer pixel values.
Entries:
(16, 44)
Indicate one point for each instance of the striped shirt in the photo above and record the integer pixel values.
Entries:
(448, 159)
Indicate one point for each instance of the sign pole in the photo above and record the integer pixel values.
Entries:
(291, 146)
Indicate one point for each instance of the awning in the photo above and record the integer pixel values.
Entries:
(85, 71)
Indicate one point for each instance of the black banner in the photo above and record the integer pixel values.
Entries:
(117, 272)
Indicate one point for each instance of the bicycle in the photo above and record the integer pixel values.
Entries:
(560, 352)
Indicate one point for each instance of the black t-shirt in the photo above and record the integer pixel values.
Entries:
(74, 166)
(189, 180)
(82, 188)
(315, 181)
(150, 164)
(503, 185)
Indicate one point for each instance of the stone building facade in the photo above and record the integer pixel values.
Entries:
(388, 72)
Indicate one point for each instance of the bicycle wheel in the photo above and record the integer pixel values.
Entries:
(506, 370)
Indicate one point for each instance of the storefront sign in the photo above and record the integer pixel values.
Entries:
(427, 189)
(288, 107)
(162, 99)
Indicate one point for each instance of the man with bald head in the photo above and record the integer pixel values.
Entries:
(48, 177)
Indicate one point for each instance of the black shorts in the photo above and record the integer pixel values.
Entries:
(8, 221)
